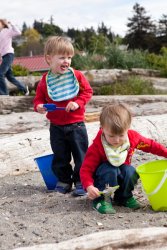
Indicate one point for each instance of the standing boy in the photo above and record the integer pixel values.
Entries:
(68, 88)
(108, 159)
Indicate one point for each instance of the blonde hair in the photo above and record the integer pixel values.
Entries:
(57, 45)
(116, 117)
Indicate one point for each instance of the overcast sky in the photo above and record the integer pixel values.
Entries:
(79, 14)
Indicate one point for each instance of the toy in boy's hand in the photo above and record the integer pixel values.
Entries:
(52, 107)
(108, 191)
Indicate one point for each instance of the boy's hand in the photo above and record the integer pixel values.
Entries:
(71, 106)
(41, 109)
(6, 23)
(92, 192)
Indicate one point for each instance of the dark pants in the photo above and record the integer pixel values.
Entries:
(6, 71)
(67, 141)
(125, 176)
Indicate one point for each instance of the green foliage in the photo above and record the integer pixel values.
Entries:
(159, 62)
(136, 59)
(36, 74)
(20, 71)
(47, 29)
(132, 86)
(117, 58)
(81, 62)
(106, 32)
(98, 44)
(113, 58)
(141, 33)
(87, 62)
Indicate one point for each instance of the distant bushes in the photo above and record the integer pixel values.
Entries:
(134, 85)
(159, 61)
(114, 57)
(18, 70)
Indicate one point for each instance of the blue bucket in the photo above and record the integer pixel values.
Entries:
(44, 164)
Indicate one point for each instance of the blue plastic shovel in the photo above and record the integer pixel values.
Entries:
(52, 107)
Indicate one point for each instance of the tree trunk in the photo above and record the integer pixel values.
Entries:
(148, 104)
(18, 151)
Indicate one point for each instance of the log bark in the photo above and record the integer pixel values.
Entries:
(10, 104)
(97, 77)
(18, 151)
(143, 238)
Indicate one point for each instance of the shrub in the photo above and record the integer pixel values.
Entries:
(18, 70)
(159, 61)
(117, 58)
(132, 86)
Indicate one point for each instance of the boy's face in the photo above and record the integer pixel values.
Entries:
(114, 139)
(59, 64)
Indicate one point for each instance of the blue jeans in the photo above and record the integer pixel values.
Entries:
(6, 71)
(125, 176)
(67, 141)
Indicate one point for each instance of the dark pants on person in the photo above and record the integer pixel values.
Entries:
(125, 176)
(67, 141)
(6, 71)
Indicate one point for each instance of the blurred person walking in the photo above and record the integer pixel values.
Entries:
(7, 32)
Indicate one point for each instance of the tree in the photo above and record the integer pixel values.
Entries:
(71, 33)
(33, 44)
(98, 44)
(46, 29)
(32, 35)
(105, 31)
(163, 25)
(141, 33)
(88, 34)
(24, 27)
(162, 31)
(51, 30)
(38, 26)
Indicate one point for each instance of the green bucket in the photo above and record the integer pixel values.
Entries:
(153, 177)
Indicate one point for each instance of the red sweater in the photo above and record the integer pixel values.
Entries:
(61, 117)
(95, 155)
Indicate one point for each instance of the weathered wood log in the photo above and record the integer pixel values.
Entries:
(96, 77)
(29, 81)
(18, 151)
(142, 238)
(10, 104)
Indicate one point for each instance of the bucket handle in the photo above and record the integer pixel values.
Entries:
(159, 185)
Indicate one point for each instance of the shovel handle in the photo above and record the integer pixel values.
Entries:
(52, 107)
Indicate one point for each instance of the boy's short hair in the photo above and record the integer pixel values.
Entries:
(57, 45)
(116, 117)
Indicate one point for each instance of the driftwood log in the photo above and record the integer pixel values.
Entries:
(143, 238)
(157, 103)
(100, 77)
(19, 150)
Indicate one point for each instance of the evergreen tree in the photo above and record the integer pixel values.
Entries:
(162, 31)
(24, 27)
(106, 32)
(38, 26)
(141, 33)
(163, 25)
(46, 29)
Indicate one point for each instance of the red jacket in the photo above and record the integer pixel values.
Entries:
(61, 117)
(95, 155)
